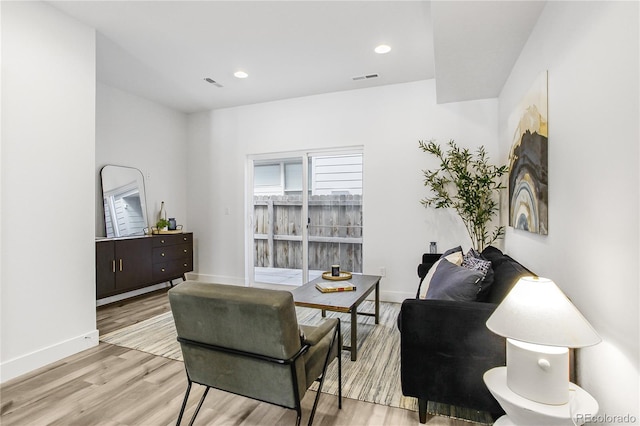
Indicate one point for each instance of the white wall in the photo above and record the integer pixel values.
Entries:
(590, 50)
(47, 267)
(135, 132)
(387, 121)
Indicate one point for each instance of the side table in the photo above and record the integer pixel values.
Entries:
(522, 411)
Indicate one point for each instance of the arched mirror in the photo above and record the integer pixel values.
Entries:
(124, 200)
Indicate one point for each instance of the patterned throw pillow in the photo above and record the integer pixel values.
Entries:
(474, 261)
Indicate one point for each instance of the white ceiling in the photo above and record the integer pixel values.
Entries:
(163, 50)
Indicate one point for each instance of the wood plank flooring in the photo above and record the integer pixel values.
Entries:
(111, 385)
(130, 311)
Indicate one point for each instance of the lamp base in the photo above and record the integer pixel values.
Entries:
(539, 373)
(523, 412)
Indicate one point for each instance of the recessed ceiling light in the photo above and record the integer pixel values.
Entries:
(240, 74)
(383, 48)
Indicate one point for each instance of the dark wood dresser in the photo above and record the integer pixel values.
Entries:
(125, 264)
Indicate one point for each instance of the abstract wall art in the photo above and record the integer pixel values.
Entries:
(528, 161)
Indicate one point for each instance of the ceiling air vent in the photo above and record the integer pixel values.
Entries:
(365, 77)
(212, 81)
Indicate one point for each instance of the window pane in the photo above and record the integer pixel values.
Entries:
(266, 175)
(293, 177)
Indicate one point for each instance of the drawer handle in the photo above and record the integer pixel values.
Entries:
(185, 265)
(162, 269)
(185, 250)
(162, 254)
(162, 241)
(184, 238)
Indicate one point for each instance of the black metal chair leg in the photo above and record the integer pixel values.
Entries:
(299, 411)
(339, 367)
(336, 339)
(184, 403)
(204, 395)
(315, 401)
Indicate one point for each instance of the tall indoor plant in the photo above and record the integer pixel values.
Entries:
(468, 184)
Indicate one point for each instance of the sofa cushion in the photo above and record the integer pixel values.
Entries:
(506, 272)
(494, 255)
(453, 282)
(453, 255)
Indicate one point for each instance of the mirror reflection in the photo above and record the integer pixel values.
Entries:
(125, 211)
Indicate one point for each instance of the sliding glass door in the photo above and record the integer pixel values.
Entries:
(305, 214)
(278, 220)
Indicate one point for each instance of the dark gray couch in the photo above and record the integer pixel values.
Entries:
(446, 347)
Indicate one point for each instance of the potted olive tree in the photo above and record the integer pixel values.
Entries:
(467, 183)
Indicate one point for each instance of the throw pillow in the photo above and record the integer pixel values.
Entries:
(475, 261)
(452, 250)
(453, 255)
(453, 282)
(494, 255)
(472, 260)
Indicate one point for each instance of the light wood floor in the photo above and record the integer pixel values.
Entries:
(111, 385)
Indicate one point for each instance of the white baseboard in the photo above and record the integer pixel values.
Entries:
(27, 363)
(133, 293)
(395, 296)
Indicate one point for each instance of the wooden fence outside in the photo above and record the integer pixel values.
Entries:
(335, 232)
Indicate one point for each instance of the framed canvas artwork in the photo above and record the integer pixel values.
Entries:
(528, 161)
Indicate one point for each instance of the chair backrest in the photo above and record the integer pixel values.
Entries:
(257, 321)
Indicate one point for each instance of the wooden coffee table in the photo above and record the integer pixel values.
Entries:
(344, 301)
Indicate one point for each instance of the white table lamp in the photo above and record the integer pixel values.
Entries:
(540, 324)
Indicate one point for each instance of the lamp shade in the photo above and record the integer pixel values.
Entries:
(537, 311)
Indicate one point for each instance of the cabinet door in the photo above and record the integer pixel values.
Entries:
(133, 263)
(105, 269)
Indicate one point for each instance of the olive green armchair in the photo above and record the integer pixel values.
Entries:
(247, 341)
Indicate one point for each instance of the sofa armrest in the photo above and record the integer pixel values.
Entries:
(445, 350)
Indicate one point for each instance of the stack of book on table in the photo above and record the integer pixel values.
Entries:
(329, 287)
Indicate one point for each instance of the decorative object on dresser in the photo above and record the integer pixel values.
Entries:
(540, 324)
(164, 225)
(124, 201)
(468, 184)
(445, 345)
(125, 264)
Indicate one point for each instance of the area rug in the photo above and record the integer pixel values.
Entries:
(374, 377)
